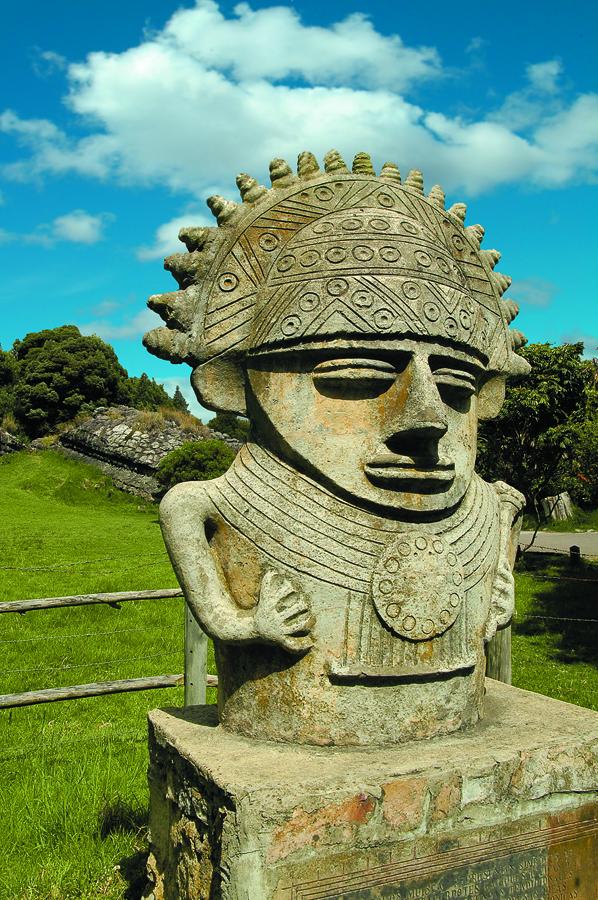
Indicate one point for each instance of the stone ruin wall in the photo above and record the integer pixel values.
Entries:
(114, 440)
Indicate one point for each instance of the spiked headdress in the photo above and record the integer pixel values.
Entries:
(326, 254)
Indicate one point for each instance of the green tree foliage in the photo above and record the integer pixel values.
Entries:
(145, 393)
(8, 376)
(195, 461)
(59, 373)
(533, 442)
(228, 423)
(178, 401)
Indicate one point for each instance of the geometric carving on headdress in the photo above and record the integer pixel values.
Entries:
(334, 252)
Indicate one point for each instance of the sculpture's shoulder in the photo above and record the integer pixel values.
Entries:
(187, 503)
(509, 496)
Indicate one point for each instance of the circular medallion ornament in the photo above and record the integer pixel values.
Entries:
(417, 586)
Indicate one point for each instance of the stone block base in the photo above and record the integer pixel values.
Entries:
(506, 810)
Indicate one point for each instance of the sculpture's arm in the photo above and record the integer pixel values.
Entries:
(281, 615)
(502, 604)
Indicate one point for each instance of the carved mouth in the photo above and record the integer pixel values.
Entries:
(394, 468)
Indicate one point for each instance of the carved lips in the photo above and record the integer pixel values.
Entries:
(388, 469)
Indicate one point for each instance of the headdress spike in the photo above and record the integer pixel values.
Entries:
(281, 174)
(415, 181)
(501, 281)
(249, 188)
(221, 208)
(436, 196)
(307, 165)
(193, 238)
(333, 162)
(391, 172)
(491, 257)
(185, 268)
(510, 310)
(477, 232)
(362, 164)
(458, 211)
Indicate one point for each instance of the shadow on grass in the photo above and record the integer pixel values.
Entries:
(119, 817)
(564, 593)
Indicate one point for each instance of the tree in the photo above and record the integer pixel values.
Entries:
(228, 423)
(144, 393)
(178, 401)
(194, 461)
(8, 376)
(60, 372)
(532, 443)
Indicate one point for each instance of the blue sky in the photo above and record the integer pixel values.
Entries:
(118, 119)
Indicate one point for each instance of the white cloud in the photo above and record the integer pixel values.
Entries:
(544, 76)
(76, 227)
(166, 239)
(202, 99)
(133, 328)
(535, 291)
(46, 62)
(79, 227)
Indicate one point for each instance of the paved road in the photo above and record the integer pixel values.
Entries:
(558, 540)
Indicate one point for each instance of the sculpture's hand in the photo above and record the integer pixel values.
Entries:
(283, 615)
(502, 601)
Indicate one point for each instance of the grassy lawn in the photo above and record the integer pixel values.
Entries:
(73, 775)
(582, 520)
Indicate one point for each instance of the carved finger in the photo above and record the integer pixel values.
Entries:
(302, 625)
(298, 644)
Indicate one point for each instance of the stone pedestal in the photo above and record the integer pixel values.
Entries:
(506, 809)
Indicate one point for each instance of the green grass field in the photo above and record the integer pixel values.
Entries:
(73, 775)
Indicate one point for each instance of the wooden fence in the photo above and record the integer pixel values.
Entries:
(194, 678)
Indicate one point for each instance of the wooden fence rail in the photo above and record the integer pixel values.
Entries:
(195, 677)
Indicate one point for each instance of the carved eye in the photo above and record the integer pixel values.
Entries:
(453, 380)
(354, 378)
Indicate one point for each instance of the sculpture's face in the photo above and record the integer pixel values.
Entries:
(394, 426)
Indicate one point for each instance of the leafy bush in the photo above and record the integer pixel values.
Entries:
(236, 427)
(195, 461)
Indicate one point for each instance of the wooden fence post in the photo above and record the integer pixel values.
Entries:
(196, 661)
(498, 656)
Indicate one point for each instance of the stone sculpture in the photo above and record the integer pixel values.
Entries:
(350, 565)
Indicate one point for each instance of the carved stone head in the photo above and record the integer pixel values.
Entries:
(355, 320)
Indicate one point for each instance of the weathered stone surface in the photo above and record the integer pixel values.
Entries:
(506, 810)
(9, 443)
(117, 440)
(351, 565)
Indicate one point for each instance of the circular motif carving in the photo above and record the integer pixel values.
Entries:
(459, 242)
(383, 319)
(323, 228)
(389, 254)
(286, 263)
(324, 194)
(336, 254)
(443, 265)
(409, 227)
(309, 301)
(451, 327)
(352, 225)
(465, 320)
(290, 325)
(431, 311)
(309, 258)
(385, 200)
(228, 281)
(269, 241)
(411, 290)
(336, 287)
(416, 586)
(423, 258)
(362, 253)
(379, 224)
(362, 298)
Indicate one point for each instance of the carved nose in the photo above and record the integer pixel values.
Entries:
(421, 416)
